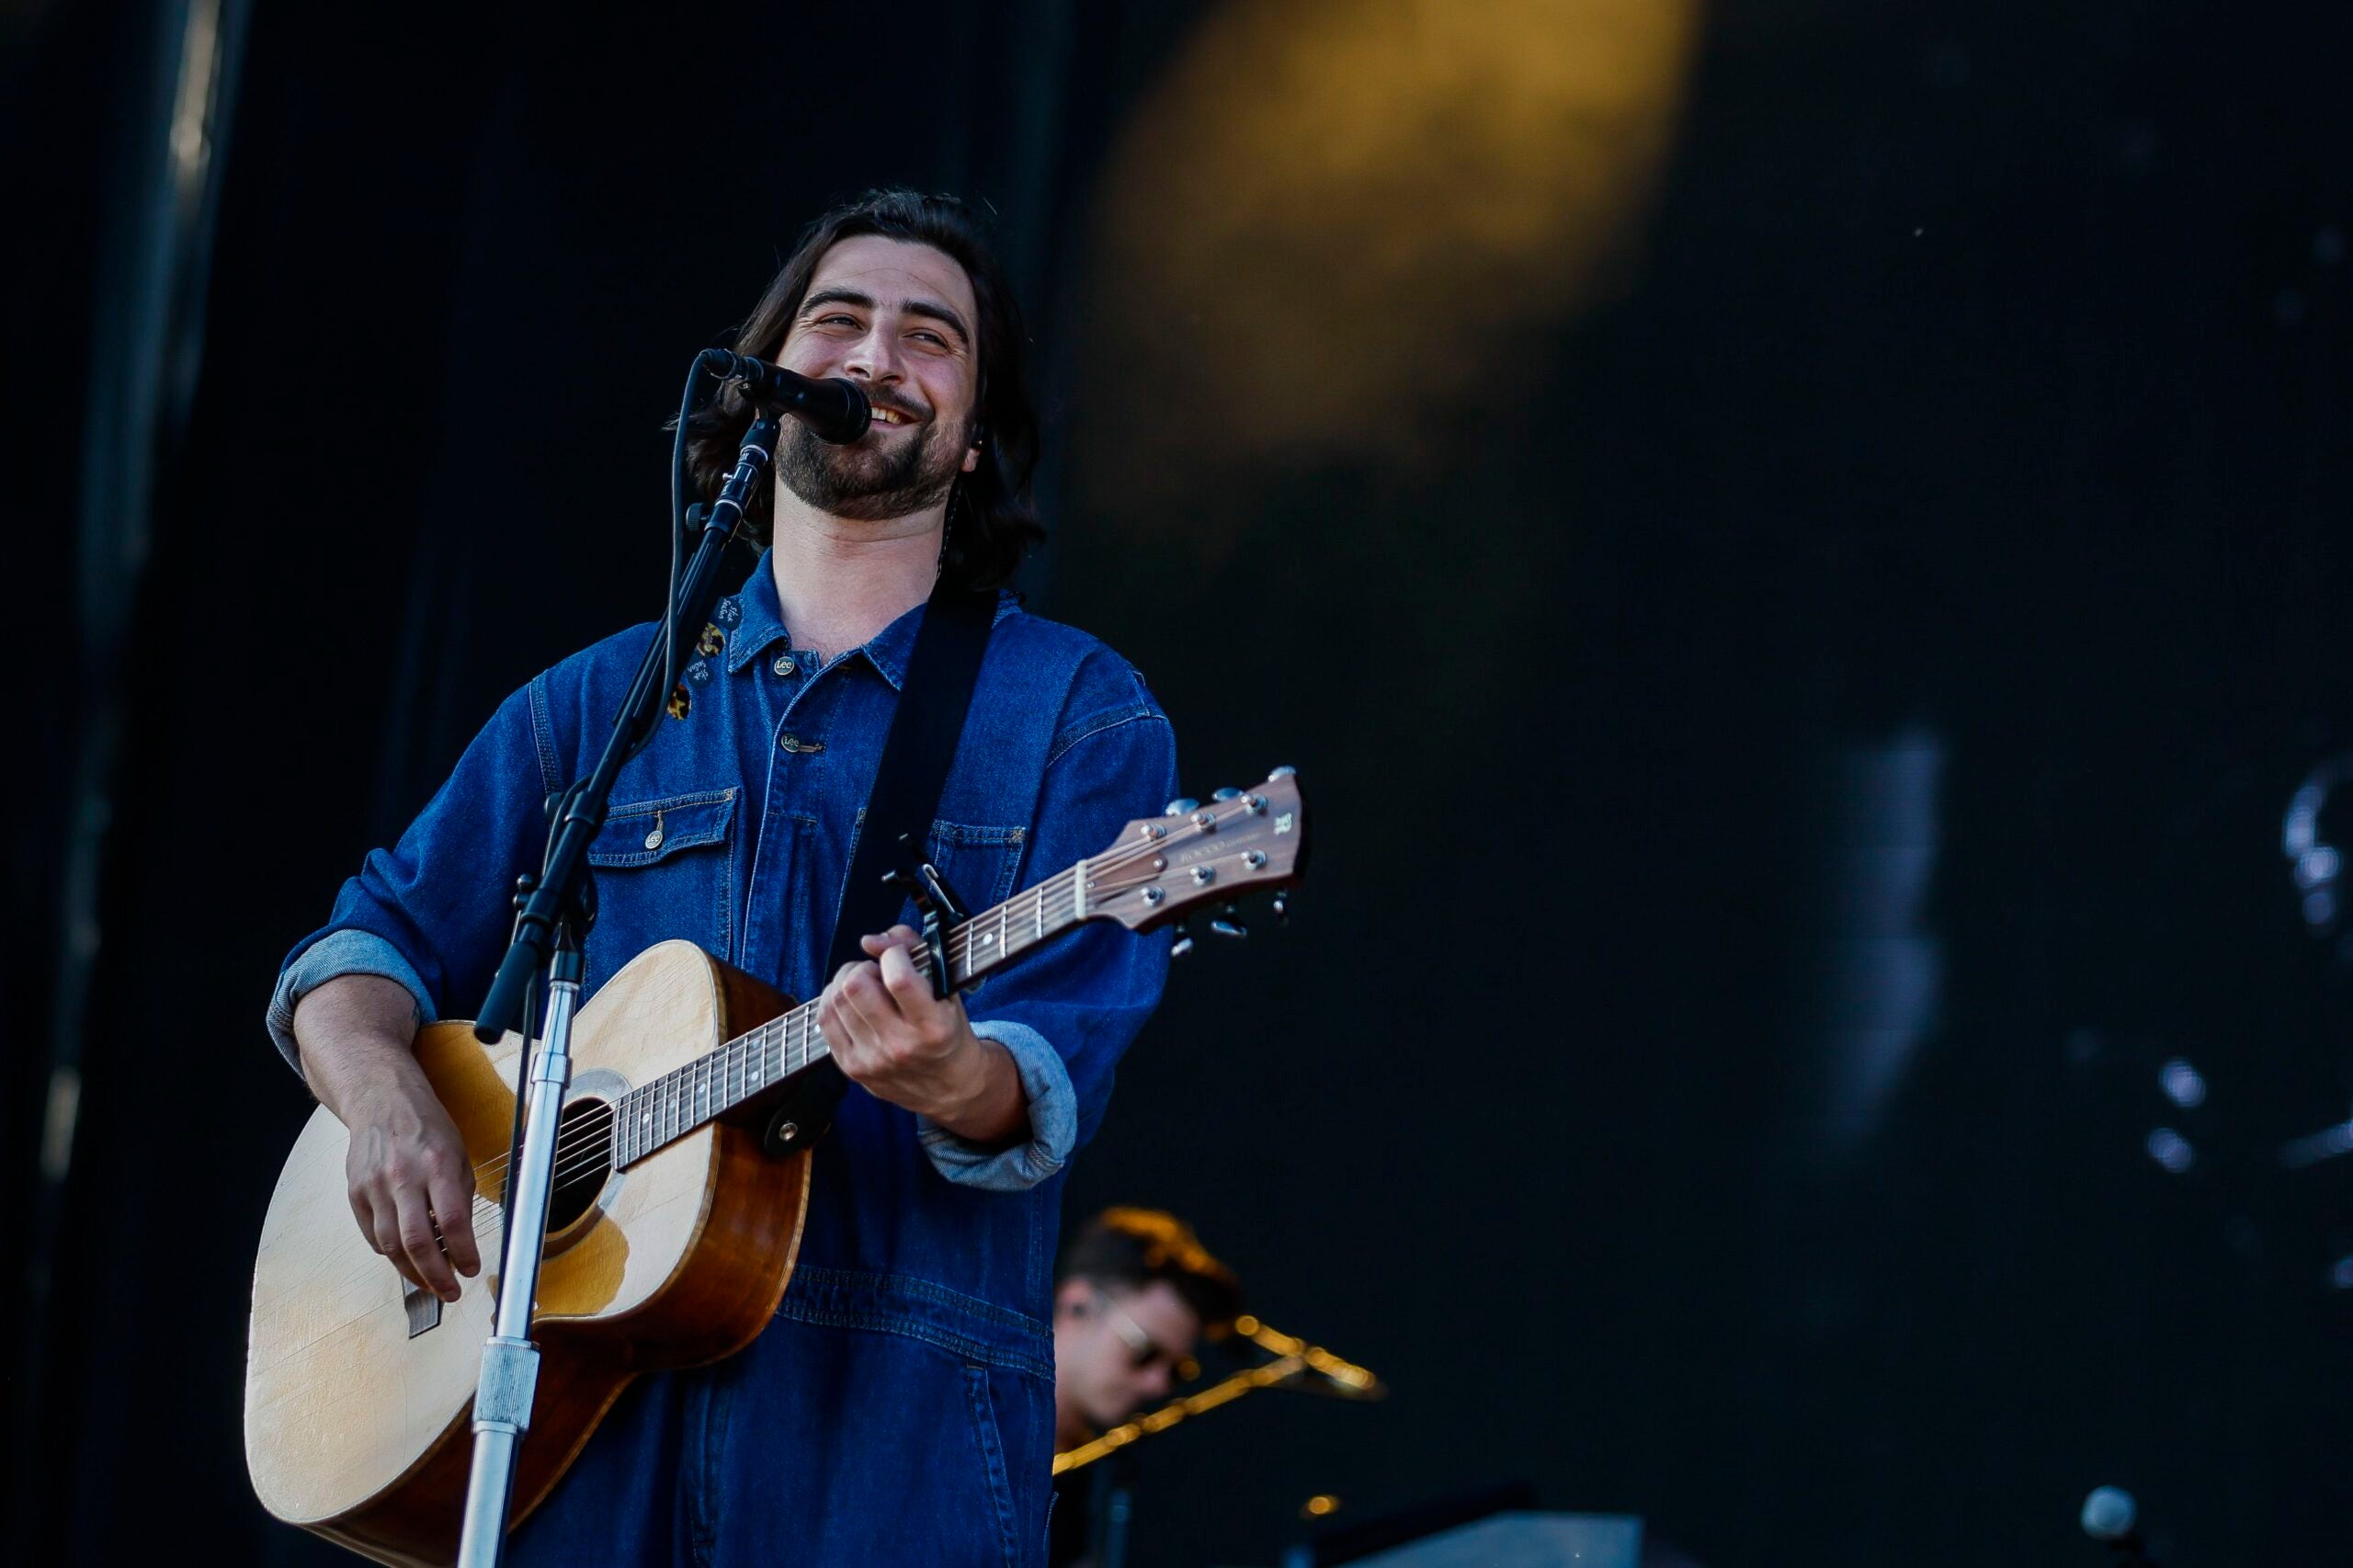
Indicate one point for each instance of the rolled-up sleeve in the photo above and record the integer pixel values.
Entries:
(1068, 1013)
(338, 953)
(1054, 1119)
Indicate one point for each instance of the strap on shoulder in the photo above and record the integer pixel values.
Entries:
(934, 699)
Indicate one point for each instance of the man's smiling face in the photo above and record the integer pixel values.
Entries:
(897, 318)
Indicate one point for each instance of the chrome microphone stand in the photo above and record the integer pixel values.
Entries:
(555, 910)
(510, 1360)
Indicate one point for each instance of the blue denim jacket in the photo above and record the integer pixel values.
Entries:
(733, 830)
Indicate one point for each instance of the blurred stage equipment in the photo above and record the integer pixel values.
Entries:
(2195, 1134)
(148, 302)
(2329, 1143)
(1508, 1541)
(2314, 862)
(2110, 1515)
(1490, 1526)
(1294, 1364)
(2318, 865)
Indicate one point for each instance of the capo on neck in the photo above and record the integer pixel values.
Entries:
(936, 902)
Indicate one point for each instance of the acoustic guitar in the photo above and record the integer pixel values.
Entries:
(671, 1235)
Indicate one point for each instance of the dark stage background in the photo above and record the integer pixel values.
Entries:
(1799, 548)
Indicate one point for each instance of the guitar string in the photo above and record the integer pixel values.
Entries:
(592, 1135)
(585, 1141)
(588, 1151)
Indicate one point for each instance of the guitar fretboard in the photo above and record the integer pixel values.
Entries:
(668, 1108)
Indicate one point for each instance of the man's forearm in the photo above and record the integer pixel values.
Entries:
(357, 1037)
(411, 1184)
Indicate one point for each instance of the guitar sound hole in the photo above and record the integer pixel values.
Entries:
(584, 1159)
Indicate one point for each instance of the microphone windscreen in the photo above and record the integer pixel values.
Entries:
(2108, 1514)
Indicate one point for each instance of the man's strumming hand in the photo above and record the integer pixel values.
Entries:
(406, 1172)
(889, 1033)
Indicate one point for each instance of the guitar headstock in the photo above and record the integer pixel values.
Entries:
(1200, 852)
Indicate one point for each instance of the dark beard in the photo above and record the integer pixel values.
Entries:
(864, 483)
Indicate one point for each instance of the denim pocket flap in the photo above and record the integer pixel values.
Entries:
(647, 831)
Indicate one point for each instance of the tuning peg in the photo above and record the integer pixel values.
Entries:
(1180, 805)
(1184, 943)
(1229, 923)
(1283, 772)
(1282, 909)
(1228, 793)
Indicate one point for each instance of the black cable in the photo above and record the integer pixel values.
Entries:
(704, 365)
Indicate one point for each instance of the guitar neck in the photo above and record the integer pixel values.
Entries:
(667, 1108)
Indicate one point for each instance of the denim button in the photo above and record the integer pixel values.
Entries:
(795, 744)
(783, 665)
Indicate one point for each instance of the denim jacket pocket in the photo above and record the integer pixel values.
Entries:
(980, 863)
(676, 874)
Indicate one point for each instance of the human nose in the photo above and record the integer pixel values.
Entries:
(874, 357)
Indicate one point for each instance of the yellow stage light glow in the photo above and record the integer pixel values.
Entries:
(1332, 214)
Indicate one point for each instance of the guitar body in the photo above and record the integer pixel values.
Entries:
(358, 1423)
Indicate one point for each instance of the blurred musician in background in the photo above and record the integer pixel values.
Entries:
(1135, 1295)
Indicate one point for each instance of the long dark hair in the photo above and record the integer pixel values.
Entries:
(990, 519)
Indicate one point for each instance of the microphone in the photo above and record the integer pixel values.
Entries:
(833, 410)
(2110, 1515)
(1341, 1381)
(1318, 1372)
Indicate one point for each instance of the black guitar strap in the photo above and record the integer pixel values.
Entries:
(934, 698)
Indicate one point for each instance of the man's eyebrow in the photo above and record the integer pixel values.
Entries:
(931, 310)
(835, 296)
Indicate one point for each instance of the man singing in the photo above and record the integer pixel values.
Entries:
(899, 1406)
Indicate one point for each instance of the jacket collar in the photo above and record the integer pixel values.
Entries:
(758, 616)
